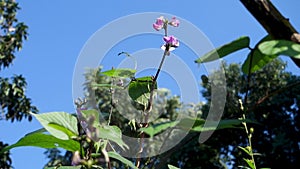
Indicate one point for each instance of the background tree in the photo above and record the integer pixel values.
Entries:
(14, 105)
(273, 102)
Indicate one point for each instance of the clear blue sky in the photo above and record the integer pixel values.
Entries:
(59, 29)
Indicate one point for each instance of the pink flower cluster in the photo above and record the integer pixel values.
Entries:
(162, 23)
(171, 40)
(159, 24)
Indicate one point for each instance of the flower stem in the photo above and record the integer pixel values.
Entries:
(149, 106)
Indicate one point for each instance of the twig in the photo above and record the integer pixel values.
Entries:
(149, 106)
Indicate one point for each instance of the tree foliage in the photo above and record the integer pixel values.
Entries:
(13, 100)
(273, 102)
(14, 104)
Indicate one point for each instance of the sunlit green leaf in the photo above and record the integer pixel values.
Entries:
(122, 72)
(198, 123)
(280, 47)
(106, 86)
(112, 133)
(246, 150)
(238, 44)
(38, 139)
(172, 167)
(117, 156)
(64, 167)
(140, 88)
(157, 128)
(250, 163)
(59, 124)
(256, 59)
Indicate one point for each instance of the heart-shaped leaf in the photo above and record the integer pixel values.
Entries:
(280, 47)
(256, 60)
(140, 88)
(59, 124)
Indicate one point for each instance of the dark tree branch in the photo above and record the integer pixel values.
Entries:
(273, 21)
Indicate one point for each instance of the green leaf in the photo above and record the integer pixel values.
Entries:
(186, 124)
(106, 85)
(64, 167)
(92, 117)
(259, 60)
(238, 44)
(227, 123)
(139, 89)
(250, 163)
(122, 72)
(38, 139)
(280, 47)
(97, 131)
(117, 156)
(112, 133)
(172, 167)
(246, 150)
(198, 123)
(59, 124)
(157, 128)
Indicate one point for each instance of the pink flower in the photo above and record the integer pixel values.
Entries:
(172, 41)
(174, 22)
(159, 24)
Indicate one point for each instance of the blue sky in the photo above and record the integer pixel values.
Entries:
(58, 30)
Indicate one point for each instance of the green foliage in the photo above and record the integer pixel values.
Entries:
(140, 89)
(123, 73)
(12, 32)
(97, 131)
(5, 160)
(157, 128)
(172, 167)
(269, 104)
(13, 100)
(112, 133)
(226, 124)
(280, 47)
(256, 60)
(59, 124)
(38, 139)
(264, 52)
(224, 50)
(57, 158)
(117, 156)
(64, 167)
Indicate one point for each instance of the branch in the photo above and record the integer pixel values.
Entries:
(273, 21)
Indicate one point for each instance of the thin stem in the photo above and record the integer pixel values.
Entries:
(249, 135)
(149, 106)
(155, 79)
(107, 160)
(111, 102)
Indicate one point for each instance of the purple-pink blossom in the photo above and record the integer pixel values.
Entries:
(174, 22)
(159, 24)
(171, 40)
